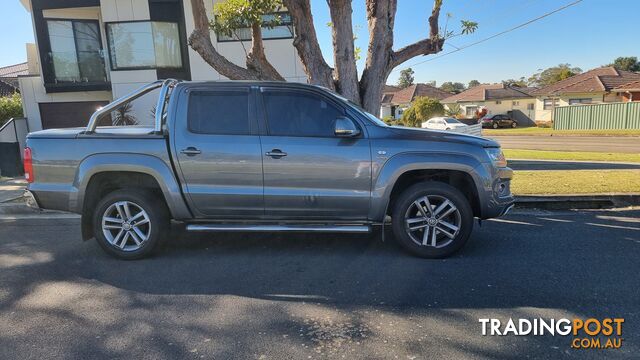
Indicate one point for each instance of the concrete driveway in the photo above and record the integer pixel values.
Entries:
(623, 144)
(224, 296)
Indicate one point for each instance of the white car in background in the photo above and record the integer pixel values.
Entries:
(442, 123)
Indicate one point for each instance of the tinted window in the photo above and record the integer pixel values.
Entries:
(299, 114)
(219, 112)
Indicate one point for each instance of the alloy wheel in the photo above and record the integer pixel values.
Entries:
(126, 225)
(433, 221)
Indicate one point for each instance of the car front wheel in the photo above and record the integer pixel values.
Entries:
(129, 224)
(495, 125)
(432, 220)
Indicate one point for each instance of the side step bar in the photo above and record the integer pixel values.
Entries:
(281, 228)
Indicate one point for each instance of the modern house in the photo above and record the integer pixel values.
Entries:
(396, 100)
(89, 52)
(496, 99)
(600, 85)
(9, 78)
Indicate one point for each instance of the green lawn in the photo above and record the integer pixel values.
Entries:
(552, 132)
(575, 182)
(570, 155)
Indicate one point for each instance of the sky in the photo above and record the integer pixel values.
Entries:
(587, 35)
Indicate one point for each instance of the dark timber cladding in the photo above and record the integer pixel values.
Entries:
(172, 11)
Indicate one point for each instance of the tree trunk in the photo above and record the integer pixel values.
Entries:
(345, 71)
(257, 60)
(306, 42)
(380, 17)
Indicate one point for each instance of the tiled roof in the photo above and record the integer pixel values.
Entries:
(486, 92)
(596, 80)
(633, 85)
(14, 70)
(408, 94)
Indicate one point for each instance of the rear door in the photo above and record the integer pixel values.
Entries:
(309, 173)
(217, 147)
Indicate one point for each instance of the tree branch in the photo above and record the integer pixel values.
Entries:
(306, 42)
(345, 71)
(200, 41)
(432, 45)
(257, 60)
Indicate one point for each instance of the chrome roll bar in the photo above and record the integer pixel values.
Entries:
(165, 86)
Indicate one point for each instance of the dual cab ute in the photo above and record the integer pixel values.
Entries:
(264, 156)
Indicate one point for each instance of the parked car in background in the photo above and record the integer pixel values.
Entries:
(498, 121)
(304, 160)
(442, 123)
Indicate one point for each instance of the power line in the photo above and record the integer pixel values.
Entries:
(499, 34)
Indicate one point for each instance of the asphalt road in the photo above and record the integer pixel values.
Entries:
(229, 296)
(622, 144)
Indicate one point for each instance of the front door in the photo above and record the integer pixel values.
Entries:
(309, 173)
(218, 152)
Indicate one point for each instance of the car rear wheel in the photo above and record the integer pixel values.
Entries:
(514, 125)
(432, 220)
(129, 224)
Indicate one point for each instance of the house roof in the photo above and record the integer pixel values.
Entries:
(601, 79)
(14, 70)
(487, 92)
(408, 94)
(630, 86)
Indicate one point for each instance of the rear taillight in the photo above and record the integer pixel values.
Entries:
(28, 165)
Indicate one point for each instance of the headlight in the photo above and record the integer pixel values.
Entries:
(497, 157)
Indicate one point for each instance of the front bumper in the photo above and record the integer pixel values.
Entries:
(31, 200)
(501, 200)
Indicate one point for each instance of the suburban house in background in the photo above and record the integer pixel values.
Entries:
(600, 85)
(9, 78)
(629, 91)
(396, 100)
(89, 52)
(496, 99)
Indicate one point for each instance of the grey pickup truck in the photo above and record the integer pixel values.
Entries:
(264, 156)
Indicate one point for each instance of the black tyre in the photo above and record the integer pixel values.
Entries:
(495, 125)
(514, 125)
(432, 220)
(129, 224)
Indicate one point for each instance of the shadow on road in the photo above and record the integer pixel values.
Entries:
(571, 264)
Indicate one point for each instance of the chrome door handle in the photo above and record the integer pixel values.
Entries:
(276, 153)
(190, 151)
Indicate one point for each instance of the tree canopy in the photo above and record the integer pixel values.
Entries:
(422, 109)
(628, 63)
(452, 87)
(552, 75)
(406, 78)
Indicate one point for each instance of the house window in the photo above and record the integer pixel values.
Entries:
(498, 102)
(470, 111)
(549, 104)
(76, 52)
(530, 106)
(284, 29)
(144, 45)
(515, 103)
(579, 101)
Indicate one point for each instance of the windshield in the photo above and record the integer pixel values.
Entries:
(452, 121)
(370, 116)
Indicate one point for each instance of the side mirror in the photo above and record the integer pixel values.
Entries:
(344, 127)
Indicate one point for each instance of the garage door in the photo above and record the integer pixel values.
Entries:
(68, 114)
